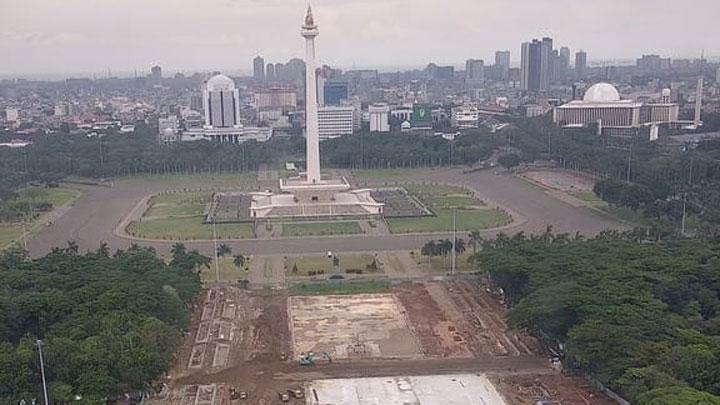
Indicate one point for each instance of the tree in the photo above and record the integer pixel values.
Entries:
(509, 160)
(475, 239)
(223, 250)
(429, 250)
(459, 246)
(239, 260)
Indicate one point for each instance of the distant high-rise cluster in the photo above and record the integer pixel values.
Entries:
(259, 68)
(474, 71)
(542, 66)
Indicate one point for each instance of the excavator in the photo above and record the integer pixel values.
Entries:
(309, 359)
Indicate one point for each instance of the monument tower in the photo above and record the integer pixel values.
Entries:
(312, 139)
(309, 195)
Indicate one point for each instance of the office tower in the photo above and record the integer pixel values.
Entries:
(279, 71)
(546, 63)
(335, 121)
(221, 102)
(156, 74)
(270, 72)
(502, 63)
(474, 71)
(335, 92)
(564, 62)
(532, 69)
(259, 68)
(379, 117)
(698, 102)
(580, 64)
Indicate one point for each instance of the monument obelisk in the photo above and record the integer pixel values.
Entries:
(312, 140)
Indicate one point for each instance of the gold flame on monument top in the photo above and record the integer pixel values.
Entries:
(309, 20)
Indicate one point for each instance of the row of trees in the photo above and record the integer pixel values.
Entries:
(109, 323)
(642, 317)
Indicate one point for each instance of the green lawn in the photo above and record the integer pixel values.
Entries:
(177, 204)
(466, 220)
(322, 262)
(587, 196)
(439, 265)
(11, 234)
(196, 180)
(388, 174)
(188, 228)
(341, 288)
(227, 269)
(320, 228)
(471, 213)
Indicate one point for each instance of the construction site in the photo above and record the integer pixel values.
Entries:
(421, 343)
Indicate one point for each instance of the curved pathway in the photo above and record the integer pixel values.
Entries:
(94, 218)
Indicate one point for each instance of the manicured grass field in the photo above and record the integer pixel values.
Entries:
(320, 228)
(471, 213)
(437, 264)
(227, 269)
(388, 174)
(11, 234)
(306, 264)
(341, 288)
(196, 180)
(587, 196)
(177, 204)
(466, 220)
(188, 228)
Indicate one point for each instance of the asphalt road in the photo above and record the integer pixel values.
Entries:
(95, 216)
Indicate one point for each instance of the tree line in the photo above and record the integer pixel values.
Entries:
(109, 323)
(642, 317)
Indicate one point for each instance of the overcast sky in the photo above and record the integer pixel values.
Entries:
(53, 36)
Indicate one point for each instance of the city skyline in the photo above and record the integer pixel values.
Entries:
(225, 35)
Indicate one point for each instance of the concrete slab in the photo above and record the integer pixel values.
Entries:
(463, 389)
(352, 326)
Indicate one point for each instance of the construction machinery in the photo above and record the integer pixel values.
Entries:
(297, 393)
(309, 359)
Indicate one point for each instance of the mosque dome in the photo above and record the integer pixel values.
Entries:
(220, 83)
(602, 93)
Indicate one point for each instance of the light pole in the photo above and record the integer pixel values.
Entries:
(454, 250)
(682, 229)
(42, 370)
(217, 265)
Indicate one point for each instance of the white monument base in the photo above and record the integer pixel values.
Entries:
(327, 198)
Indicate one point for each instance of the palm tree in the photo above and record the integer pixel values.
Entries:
(239, 260)
(223, 250)
(460, 246)
(475, 239)
(429, 249)
(445, 247)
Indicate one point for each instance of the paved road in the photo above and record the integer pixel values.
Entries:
(95, 216)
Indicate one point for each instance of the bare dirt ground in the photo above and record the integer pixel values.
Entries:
(241, 339)
(562, 180)
(556, 389)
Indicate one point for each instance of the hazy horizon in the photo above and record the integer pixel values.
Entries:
(53, 38)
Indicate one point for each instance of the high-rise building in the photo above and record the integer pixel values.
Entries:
(379, 117)
(156, 74)
(335, 92)
(259, 68)
(502, 64)
(533, 72)
(580, 64)
(270, 72)
(335, 121)
(546, 63)
(717, 75)
(279, 71)
(474, 71)
(12, 114)
(564, 62)
(275, 97)
(221, 102)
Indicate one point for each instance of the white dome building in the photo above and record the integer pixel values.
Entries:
(603, 106)
(601, 93)
(221, 102)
